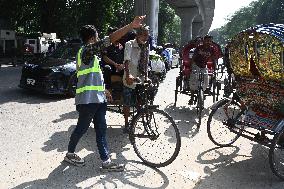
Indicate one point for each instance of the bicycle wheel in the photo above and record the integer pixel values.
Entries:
(276, 155)
(199, 106)
(155, 137)
(223, 127)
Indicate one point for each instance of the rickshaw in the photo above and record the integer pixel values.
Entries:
(182, 81)
(153, 133)
(255, 110)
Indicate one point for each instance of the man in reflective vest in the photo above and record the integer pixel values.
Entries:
(91, 96)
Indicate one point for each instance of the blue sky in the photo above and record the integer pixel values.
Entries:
(225, 8)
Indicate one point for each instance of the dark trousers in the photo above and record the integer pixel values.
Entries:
(91, 112)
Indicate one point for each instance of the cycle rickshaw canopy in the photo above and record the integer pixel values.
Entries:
(256, 59)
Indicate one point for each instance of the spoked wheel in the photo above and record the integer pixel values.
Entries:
(200, 107)
(276, 155)
(223, 125)
(155, 137)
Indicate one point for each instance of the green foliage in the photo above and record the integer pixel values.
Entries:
(64, 17)
(258, 12)
(271, 12)
(169, 24)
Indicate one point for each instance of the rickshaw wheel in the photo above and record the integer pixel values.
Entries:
(221, 127)
(276, 155)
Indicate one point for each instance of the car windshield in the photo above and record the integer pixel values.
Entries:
(65, 52)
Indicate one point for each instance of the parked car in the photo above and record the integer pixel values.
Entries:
(53, 74)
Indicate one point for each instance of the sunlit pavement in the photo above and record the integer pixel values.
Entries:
(35, 131)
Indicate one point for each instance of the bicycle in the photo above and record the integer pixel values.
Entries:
(199, 95)
(153, 133)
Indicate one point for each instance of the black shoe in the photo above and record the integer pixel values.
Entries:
(112, 167)
(74, 159)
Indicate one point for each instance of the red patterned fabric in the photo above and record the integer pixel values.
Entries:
(265, 97)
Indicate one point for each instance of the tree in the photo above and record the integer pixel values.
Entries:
(271, 12)
(169, 24)
(258, 12)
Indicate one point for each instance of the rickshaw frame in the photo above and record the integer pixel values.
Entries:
(238, 115)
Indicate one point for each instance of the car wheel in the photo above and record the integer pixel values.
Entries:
(72, 85)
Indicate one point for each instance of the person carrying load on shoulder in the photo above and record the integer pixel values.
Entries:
(91, 95)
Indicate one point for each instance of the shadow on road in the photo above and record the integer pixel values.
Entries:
(117, 141)
(186, 119)
(65, 176)
(66, 116)
(90, 176)
(224, 171)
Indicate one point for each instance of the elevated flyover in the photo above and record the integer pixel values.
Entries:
(196, 16)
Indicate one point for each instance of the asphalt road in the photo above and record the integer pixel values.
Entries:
(35, 130)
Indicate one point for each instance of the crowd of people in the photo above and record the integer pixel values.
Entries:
(125, 54)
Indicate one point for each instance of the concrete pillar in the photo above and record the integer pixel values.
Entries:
(196, 29)
(140, 7)
(153, 18)
(187, 16)
(150, 8)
